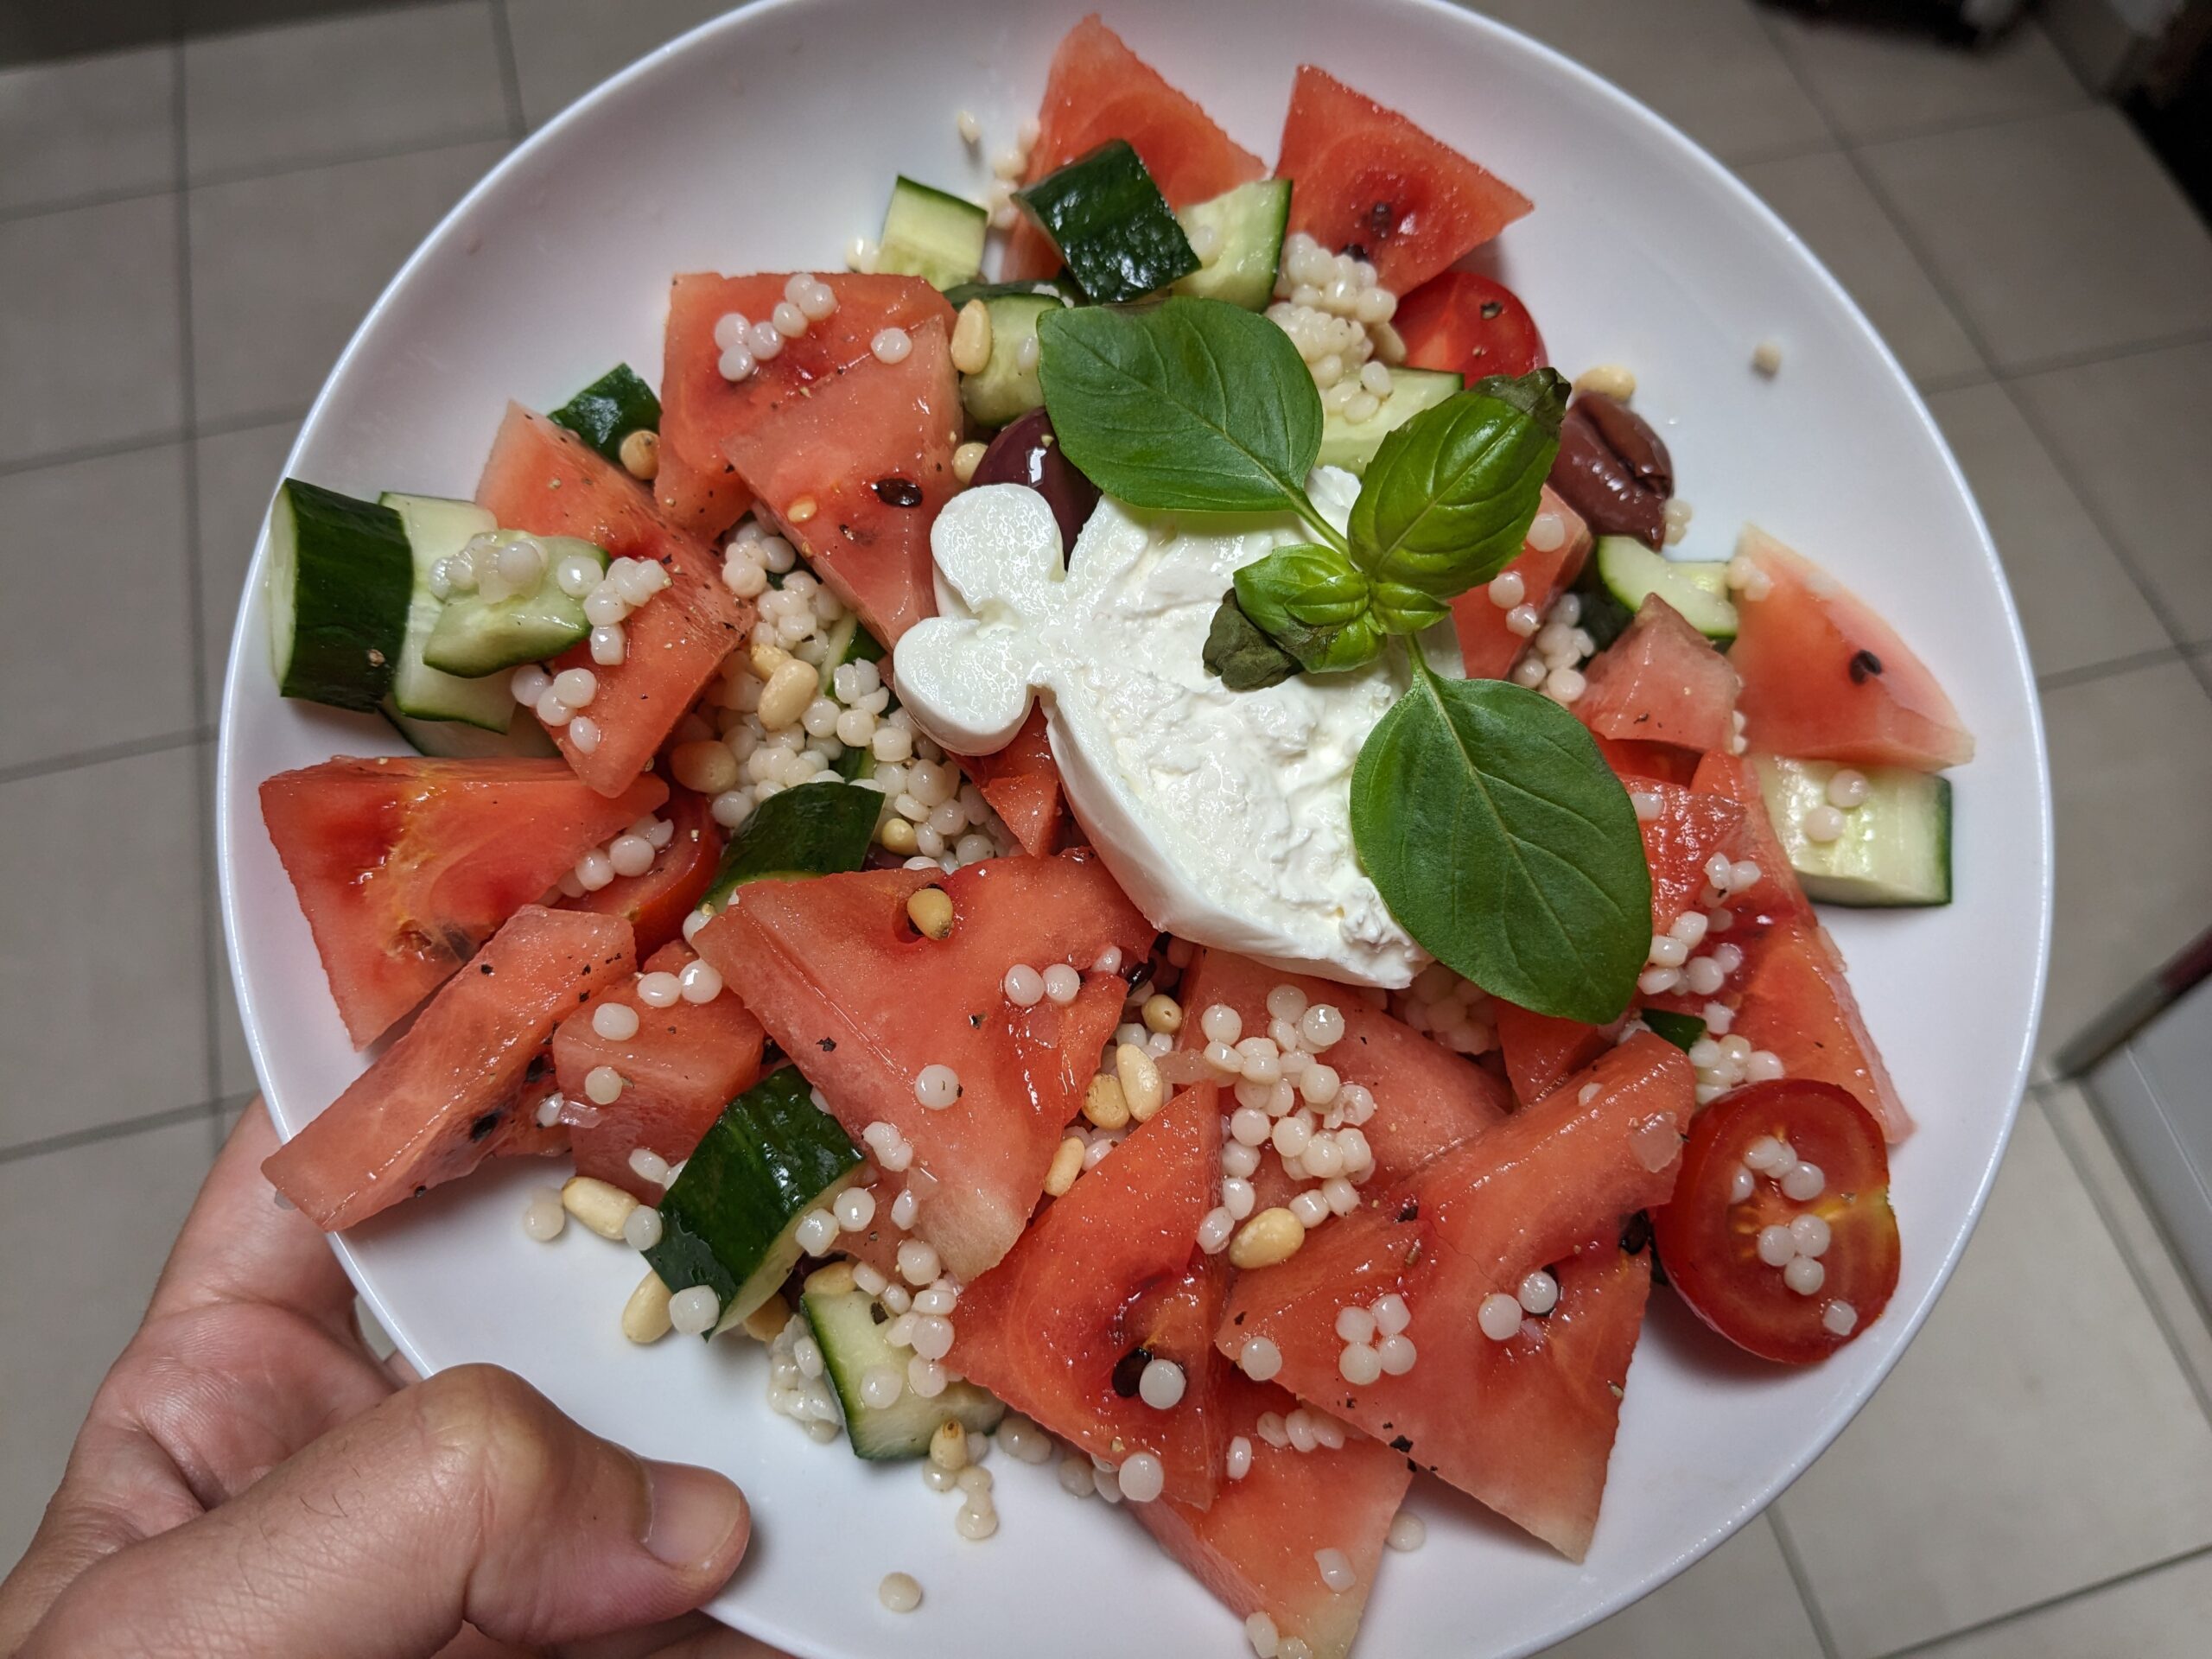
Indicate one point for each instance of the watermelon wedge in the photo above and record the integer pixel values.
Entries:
(1660, 682)
(1099, 89)
(1543, 1051)
(1363, 176)
(1797, 1005)
(1488, 648)
(1776, 897)
(1826, 678)
(1525, 1425)
(427, 1111)
(684, 1065)
(1255, 1548)
(544, 478)
(1112, 1267)
(700, 497)
(1023, 784)
(861, 1002)
(405, 865)
(1679, 839)
(1669, 763)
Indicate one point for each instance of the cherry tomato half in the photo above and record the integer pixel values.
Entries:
(1711, 1234)
(1463, 322)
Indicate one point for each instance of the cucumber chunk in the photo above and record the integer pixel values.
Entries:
(490, 628)
(456, 739)
(848, 643)
(340, 581)
(1250, 221)
(730, 1220)
(1113, 228)
(817, 828)
(1629, 570)
(846, 1329)
(436, 529)
(1895, 849)
(931, 234)
(1006, 386)
(1351, 447)
(609, 410)
(1679, 1029)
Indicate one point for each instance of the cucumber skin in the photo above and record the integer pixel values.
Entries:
(772, 1146)
(1113, 230)
(902, 1431)
(817, 828)
(353, 577)
(609, 410)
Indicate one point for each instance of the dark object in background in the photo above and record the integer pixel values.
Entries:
(1027, 451)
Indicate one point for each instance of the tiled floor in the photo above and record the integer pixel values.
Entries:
(185, 243)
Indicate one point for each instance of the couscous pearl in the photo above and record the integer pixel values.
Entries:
(1142, 1479)
(1499, 1316)
(545, 1217)
(1524, 620)
(616, 1021)
(1547, 532)
(659, 990)
(1355, 1324)
(529, 683)
(1259, 1360)
(1260, 1632)
(1239, 1161)
(1703, 976)
(1391, 1314)
(1408, 1532)
(1397, 1355)
(1062, 984)
(1764, 1066)
(641, 1227)
(594, 870)
(694, 1312)
(937, 1086)
(630, 855)
(890, 346)
(918, 1263)
(1309, 1209)
(1539, 1293)
(1803, 1182)
(700, 982)
(1508, 589)
(900, 1593)
(1821, 824)
(649, 1166)
(1690, 928)
(1160, 1384)
(1776, 1246)
(1359, 1365)
(551, 711)
(1239, 1458)
(1668, 951)
(904, 1206)
(1237, 1198)
(1810, 1234)
(1848, 789)
(1248, 1125)
(602, 1085)
(1322, 1026)
(1804, 1275)
(855, 1209)
(1741, 1185)
(1025, 987)
(1335, 1569)
(1840, 1318)
(604, 607)
(583, 734)
(1221, 1023)
(1766, 1155)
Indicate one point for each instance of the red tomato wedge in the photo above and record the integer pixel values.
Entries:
(1525, 1425)
(1099, 89)
(427, 1110)
(656, 903)
(1426, 1097)
(1797, 1004)
(1023, 784)
(1711, 1242)
(683, 1066)
(1660, 682)
(544, 478)
(1543, 1051)
(861, 1002)
(1487, 647)
(1465, 323)
(1362, 176)
(405, 865)
(1110, 1268)
(1255, 1548)
(1824, 679)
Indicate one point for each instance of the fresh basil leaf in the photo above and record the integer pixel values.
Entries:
(1191, 404)
(1239, 655)
(1449, 496)
(1502, 844)
(1400, 609)
(1313, 585)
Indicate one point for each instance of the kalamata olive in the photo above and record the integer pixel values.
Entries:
(1027, 451)
(1614, 470)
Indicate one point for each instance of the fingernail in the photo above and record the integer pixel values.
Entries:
(694, 1514)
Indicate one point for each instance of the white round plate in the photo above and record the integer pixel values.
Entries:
(768, 139)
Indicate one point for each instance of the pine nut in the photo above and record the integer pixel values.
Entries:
(600, 1206)
(1163, 1013)
(786, 695)
(766, 1322)
(929, 909)
(833, 1280)
(1142, 1089)
(644, 1316)
(949, 1446)
(640, 454)
(1067, 1164)
(971, 339)
(1103, 1104)
(1611, 380)
(767, 659)
(897, 836)
(966, 459)
(1272, 1236)
(706, 767)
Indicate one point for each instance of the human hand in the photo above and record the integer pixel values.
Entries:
(251, 1481)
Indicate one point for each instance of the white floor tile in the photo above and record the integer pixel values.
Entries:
(2131, 762)
(384, 79)
(101, 543)
(284, 268)
(1823, 198)
(2059, 235)
(2133, 431)
(565, 47)
(103, 1010)
(1705, 65)
(2186, 1322)
(1738, 1602)
(88, 329)
(118, 1204)
(2161, 1615)
(237, 473)
(2077, 603)
(1875, 81)
(2036, 1438)
(88, 126)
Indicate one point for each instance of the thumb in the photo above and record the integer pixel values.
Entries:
(468, 1497)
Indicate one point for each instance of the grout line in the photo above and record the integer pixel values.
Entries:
(1973, 124)
(2065, 678)
(93, 451)
(99, 1132)
(246, 422)
(84, 757)
(1803, 1582)
(2049, 1602)
(503, 37)
(1797, 149)
(2180, 340)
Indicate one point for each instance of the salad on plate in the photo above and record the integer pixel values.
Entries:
(1150, 864)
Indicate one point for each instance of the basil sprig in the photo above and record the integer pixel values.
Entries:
(1482, 812)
